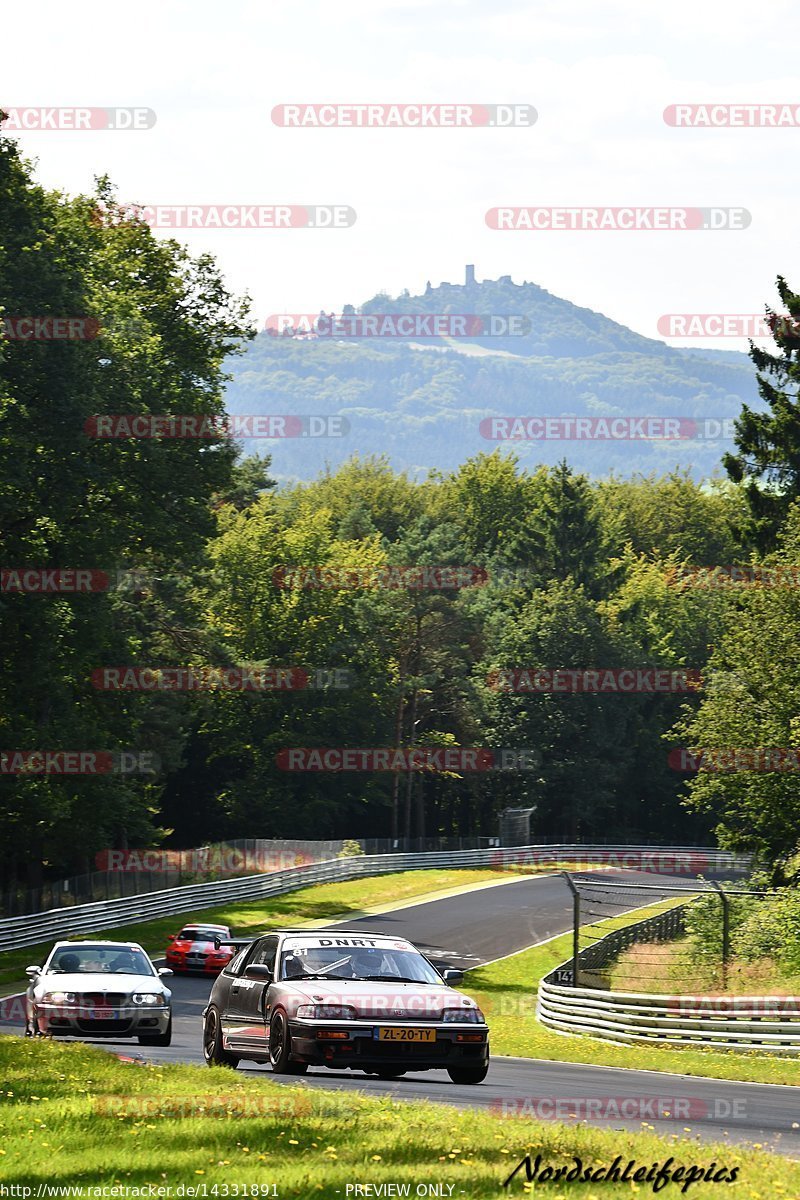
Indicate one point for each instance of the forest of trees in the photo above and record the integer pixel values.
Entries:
(575, 573)
(423, 404)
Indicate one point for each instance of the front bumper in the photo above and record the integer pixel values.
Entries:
(129, 1020)
(203, 964)
(456, 1045)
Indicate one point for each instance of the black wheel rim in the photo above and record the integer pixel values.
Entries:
(276, 1040)
(210, 1041)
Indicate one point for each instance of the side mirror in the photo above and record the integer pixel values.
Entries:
(165, 971)
(451, 976)
(258, 971)
(171, 937)
(31, 971)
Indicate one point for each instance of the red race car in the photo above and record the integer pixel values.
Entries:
(193, 949)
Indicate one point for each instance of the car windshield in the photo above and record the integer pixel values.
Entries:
(344, 962)
(99, 959)
(201, 935)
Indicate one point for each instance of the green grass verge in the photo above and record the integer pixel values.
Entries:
(325, 901)
(666, 968)
(506, 991)
(75, 1116)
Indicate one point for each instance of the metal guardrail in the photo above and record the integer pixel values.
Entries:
(135, 872)
(127, 873)
(16, 932)
(768, 1024)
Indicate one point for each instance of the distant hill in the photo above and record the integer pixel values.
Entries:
(421, 400)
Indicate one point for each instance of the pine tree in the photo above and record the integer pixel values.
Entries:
(570, 527)
(768, 457)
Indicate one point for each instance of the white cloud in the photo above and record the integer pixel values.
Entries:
(599, 75)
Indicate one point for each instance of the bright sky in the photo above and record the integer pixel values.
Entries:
(598, 73)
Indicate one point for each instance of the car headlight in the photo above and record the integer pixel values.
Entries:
(59, 998)
(147, 998)
(327, 1012)
(472, 1015)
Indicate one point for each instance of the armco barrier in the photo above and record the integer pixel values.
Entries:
(131, 873)
(16, 932)
(768, 1024)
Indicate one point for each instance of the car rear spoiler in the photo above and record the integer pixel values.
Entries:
(237, 943)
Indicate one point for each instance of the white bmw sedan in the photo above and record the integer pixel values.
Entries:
(99, 990)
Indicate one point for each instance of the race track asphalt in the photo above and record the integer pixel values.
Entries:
(480, 926)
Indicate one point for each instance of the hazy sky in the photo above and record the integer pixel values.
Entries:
(599, 74)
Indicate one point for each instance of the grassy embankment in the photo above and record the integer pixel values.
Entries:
(75, 1116)
(665, 968)
(506, 990)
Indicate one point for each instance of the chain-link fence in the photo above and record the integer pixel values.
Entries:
(700, 936)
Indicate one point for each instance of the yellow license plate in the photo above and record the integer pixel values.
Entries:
(396, 1033)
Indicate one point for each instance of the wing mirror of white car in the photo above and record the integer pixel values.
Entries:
(452, 977)
(258, 971)
(31, 971)
(165, 971)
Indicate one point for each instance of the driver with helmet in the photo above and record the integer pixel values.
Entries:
(364, 963)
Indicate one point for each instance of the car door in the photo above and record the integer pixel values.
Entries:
(232, 1014)
(251, 1032)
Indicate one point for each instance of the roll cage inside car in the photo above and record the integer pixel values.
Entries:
(240, 960)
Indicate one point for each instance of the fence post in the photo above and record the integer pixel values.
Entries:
(576, 925)
(726, 930)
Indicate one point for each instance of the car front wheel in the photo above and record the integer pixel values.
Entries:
(213, 1051)
(468, 1074)
(280, 1044)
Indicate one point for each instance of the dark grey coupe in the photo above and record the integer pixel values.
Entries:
(345, 1000)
